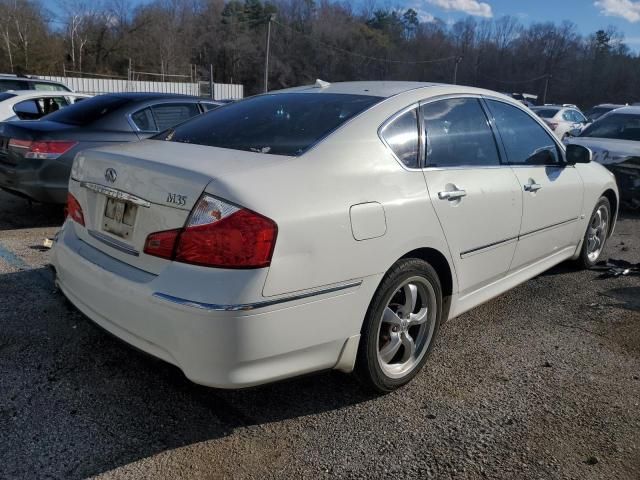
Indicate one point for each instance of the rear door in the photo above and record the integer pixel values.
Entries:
(552, 192)
(477, 199)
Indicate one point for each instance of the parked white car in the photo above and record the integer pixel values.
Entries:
(34, 104)
(563, 120)
(324, 227)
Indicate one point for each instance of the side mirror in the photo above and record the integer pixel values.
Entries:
(578, 154)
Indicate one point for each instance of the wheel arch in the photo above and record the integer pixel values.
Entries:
(439, 262)
(610, 195)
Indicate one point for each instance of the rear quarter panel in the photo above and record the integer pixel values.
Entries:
(310, 198)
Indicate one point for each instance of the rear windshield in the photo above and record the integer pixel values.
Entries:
(621, 126)
(89, 110)
(546, 112)
(279, 124)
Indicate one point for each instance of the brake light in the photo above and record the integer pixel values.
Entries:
(162, 244)
(218, 234)
(42, 149)
(74, 210)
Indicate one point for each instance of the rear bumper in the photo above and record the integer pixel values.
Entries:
(212, 346)
(40, 180)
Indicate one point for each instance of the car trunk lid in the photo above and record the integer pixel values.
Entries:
(130, 191)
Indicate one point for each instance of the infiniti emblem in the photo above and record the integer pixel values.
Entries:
(110, 175)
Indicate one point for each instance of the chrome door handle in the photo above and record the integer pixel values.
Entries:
(452, 194)
(532, 187)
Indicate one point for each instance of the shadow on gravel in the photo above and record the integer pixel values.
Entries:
(17, 213)
(76, 402)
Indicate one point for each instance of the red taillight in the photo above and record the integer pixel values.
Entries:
(42, 149)
(162, 244)
(218, 234)
(74, 210)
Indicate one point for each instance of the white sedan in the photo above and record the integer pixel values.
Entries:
(333, 226)
(34, 104)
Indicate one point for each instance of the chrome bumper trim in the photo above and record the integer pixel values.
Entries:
(253, 306)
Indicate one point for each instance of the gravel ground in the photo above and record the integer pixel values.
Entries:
(542, 382)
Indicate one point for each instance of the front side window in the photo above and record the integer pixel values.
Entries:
(168, 115)
(458, 134)
(402, 136)
(524, 140)
(279, 124)
(621, 126)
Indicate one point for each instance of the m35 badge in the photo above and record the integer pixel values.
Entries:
(180, 200)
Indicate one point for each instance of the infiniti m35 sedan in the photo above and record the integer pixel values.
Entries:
(333, 226)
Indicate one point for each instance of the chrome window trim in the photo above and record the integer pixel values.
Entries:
(115, 193)
(241, 307)
(113, 243)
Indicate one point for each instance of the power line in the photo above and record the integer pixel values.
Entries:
(366, 57)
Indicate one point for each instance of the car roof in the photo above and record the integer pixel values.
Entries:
(371, 88)
(609, 105)
(44, 93)
(632, 110)
(6, 76)
(144, 96)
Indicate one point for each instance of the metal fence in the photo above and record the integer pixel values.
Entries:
(95, 86)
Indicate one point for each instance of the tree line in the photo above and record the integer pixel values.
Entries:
(313, 39)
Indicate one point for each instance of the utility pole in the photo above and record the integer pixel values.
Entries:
(272, 17)
(546, 87)
(211, 81)
(455, 69)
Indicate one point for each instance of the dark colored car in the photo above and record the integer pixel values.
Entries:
(36, 156)
(615, 141)
(596, 112)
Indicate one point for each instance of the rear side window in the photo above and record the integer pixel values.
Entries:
(28, 110)
(524, 140)
(10, 84)
(89, 110)
(168, 115)
(458, 134)
(143, 119)
(402, 136)
(279, 124)
(5, 96)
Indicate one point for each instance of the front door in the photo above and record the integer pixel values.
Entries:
(476, 198)
(552, 192)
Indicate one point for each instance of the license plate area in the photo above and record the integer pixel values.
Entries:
(119, 217)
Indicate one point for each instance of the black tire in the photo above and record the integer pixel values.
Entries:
(368, 367)
(583, 260)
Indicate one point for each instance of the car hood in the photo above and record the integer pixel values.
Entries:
(609, 151)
